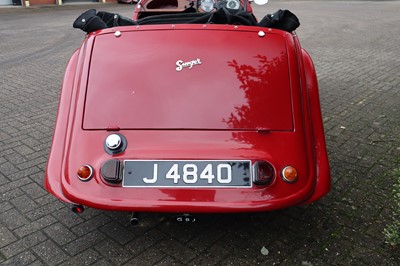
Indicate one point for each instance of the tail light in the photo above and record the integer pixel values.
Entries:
(289, 174)
(111, 171)
(85, 172)
(263, 173)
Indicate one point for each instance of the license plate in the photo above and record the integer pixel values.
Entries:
(142, 173)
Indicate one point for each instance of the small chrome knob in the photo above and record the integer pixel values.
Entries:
(113, 141)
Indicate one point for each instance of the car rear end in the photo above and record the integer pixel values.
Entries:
(187, 118)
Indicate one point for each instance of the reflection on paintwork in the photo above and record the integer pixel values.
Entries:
(254, 81)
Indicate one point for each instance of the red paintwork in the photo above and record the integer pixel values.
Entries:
(144, 100)
(97, 94)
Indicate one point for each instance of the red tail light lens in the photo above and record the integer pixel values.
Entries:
(263, 173)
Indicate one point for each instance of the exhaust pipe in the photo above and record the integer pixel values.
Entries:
(134, 221)
(76, 208)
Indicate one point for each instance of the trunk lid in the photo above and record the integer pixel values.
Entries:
(189, 79)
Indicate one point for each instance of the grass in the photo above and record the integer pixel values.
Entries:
(392, 231)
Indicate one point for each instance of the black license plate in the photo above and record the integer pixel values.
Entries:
(142, 173)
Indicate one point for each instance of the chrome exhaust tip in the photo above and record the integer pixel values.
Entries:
(134, 220)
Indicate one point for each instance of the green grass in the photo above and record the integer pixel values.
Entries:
(392, 231)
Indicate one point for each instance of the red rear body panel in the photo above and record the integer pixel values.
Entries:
(143, 89)
(251, 98)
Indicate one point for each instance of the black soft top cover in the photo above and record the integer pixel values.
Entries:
(282, 19)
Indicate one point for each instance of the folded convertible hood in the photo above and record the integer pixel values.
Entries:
(189, 79)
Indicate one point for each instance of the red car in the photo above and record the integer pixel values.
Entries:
(191, 106)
